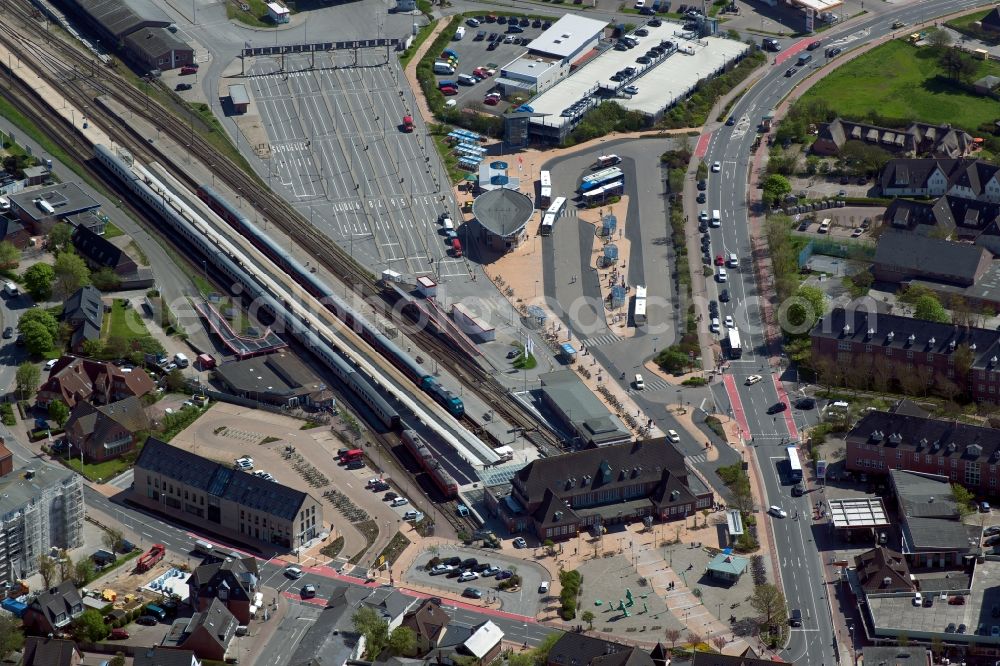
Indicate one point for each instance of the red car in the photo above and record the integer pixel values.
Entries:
(719, 261)
(491, 101)
(449, 91)
(118, 634)
(481, 72)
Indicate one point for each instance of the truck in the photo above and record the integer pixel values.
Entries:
(407, 124)
(181, 360)
(205, 361)
(151, 557)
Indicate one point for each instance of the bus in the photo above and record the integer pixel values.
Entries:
(639, 313)
(607, 160)
(794, 466)
(735, 346)
(351, 456)
(599, 178)
(601, 194)
(557, 206)
(548, 221)
(544, 189)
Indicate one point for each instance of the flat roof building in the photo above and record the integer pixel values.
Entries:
(225, 501)
(579, 409)
(239, 97)
(531, 74)
(569, 38)
(40, 209)
(277, 379)
(502, 215)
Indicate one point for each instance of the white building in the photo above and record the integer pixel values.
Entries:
(531, 74)
(277, 13)
(569, 38)
(40, 508)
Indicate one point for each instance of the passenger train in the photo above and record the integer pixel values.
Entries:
(308, 281)
(429, 462)
(220, 255)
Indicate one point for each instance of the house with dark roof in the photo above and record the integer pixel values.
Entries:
(894, 655)
(890, 349)
(73, 379)
(40, 209)
(277, 379)
(207, 633)
(916, 139)
(478, 644)
(747, 658)
(991, 22)
(883, 570)
(968, 179)
(900, 257)
(965, 453)
(573, 649)
(101, 252)
(558, 496)
(47, 651)
(933, 534)
(429, 623)
(84, 312)
(13, 231)
(54, 610)
(103, 432)
(947, 217)
(163, 656)
(234, 581)
(156, 48)
(223, 500)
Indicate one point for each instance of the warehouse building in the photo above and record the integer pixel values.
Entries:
(156, 48)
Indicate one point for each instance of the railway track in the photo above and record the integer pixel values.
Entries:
(78, 75)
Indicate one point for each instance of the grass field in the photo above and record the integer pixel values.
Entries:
(125, 322)
(898, 80)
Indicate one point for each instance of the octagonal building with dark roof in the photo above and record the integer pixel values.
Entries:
(502, 217)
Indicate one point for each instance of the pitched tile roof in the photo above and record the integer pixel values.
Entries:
(62, 599)
(747, 658)
(922, 255)
(579, 650)
(97, 421)
(217, 479)
(240, 575)
(73, 379)
(39, 651)
(161, 656)
(878, 565)
(428, 621)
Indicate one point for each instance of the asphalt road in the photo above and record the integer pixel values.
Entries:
(801, 568)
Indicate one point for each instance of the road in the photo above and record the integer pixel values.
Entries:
(801, 569)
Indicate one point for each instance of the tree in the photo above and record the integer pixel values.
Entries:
(47, 570)
(59, 412)
(65, 566)
(10, 256)
(550, 546)
(374, 629)
(11, 635)
(806, 307)
(937, 646)
(175, 381)
(71, 273)
(694, 639)
(964, 498)
(118, 659)
(105, 279)
(27, 378)
(588, 617)
(38, 281)
(403, 641)
(115, 347)
(768, 600)
(673, 359)
(40, 329)
(929, 307)
(672, 635)
(113, 540)
(83, 572)
(719, 642)
(90, 627)
(776, 187)
(60, 236)
(938, 38)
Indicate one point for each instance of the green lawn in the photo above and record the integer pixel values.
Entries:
(900, 81)
(104, 470)
(125, 322)
(964, 25)
(112, 231)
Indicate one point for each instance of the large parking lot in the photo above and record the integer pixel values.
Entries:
(491, 46)
(525, 601)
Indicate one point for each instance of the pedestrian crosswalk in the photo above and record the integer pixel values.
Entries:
(698, 459)
(654, 384)
(598, 340)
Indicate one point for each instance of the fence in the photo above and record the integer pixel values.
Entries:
(843, 248)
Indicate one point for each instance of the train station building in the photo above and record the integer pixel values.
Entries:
(502, 217)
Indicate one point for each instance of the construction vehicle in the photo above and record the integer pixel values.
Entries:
(151, 557)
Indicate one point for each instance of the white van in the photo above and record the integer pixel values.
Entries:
(10, 289)
(459, 33)
(839, 406)
(714, 326)
(181, 360)
(716, 218)
(203, 547)
(442, 67)
(448, 224)
(639, 383)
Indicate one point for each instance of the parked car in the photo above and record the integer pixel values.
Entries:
(389, 496)
(472, 593)
(543, 587)
(519, 542)
(440, 569)
(805, 403)
(146, 620)
(118, 634)
(182, 86)
(504, 575)
(399, 501)
(308, 591)
(467, 576)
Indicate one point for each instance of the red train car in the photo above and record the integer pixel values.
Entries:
(425, 457)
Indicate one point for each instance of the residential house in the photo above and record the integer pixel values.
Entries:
(883, 570)
(162, 656)
(46, 651)
(84, 312)
(967, 179)
(947, 217)
(917, 139)
(890, 348)
(103, 432)
(100, 382)
(12, 230)
(900, 257)
(101, 252)
(54, 610)
(573, 649)
(222, 500)
(746, 658)
(991, 22)
(429, 623)
(233, 581)
(207, 633)
(557, 497)
(480, 644)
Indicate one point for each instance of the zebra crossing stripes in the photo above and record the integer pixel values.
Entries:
(654, 384)
(598, 340)
(698, 459)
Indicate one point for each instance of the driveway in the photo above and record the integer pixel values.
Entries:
(525, 601)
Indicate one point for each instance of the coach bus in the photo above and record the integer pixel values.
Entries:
(548, 221)
(735, 346)
(557, 206)
(600, 178)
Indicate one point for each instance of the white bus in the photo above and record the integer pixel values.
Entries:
(608, 160)
(794, 466)
(639, 314)
(544, 189)
(557, 206)
(548, 221)
(735, 346)
(601, 194)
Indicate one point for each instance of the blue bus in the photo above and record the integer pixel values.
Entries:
(600, 178)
